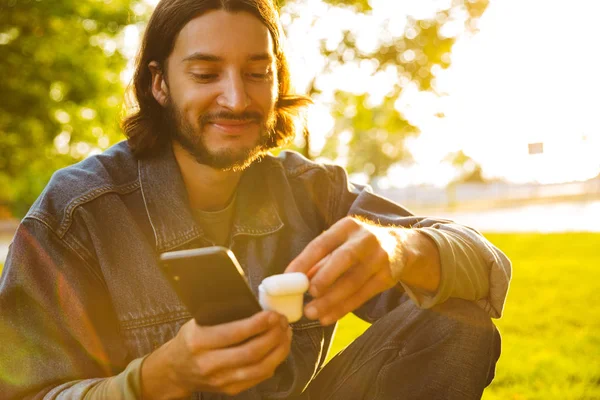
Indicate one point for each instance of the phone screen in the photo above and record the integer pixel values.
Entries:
(211, 283)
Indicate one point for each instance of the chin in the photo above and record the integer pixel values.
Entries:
(231, 154)
(228, 159)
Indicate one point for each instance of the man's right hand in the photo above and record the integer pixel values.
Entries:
(227, 358)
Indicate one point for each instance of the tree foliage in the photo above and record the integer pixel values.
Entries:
(61, 88)
(374, 136)
(414, 56)
(62, 94)
(469, 171)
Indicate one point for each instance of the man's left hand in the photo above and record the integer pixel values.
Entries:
(347, 265)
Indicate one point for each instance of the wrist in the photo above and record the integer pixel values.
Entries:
(158, 377)
(416, 260)
(402, 254)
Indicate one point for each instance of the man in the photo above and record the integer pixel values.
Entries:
(86, 312)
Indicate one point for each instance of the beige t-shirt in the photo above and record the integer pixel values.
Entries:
(216, 224)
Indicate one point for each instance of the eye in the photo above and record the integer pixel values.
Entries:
(260, 75)
(204, 77)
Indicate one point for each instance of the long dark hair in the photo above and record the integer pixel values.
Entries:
(144, 127)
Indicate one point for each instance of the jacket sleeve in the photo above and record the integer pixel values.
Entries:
(60, 336)
(472, 268)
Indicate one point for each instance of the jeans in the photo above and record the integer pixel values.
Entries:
(447, 352)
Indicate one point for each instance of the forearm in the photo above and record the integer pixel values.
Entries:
(416, 260)
(438, 264)
(472, 268)
(123, 386)
(465, 274)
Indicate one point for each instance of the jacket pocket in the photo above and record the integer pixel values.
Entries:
(144, 335)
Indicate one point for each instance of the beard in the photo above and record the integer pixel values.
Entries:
(194, 142)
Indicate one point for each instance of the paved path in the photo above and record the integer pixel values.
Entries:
(557, 217)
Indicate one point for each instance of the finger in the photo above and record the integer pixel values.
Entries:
(361, 248)
(346, 286)
(250, 352)
(239, 387)
(266, 367)
(322, 245)
(259, 371)
(232, 333)
(377, 284)
(314, 269)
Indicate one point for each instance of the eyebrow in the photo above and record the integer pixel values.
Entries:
(212, 58)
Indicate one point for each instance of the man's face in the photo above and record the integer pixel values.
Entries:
(222, 87)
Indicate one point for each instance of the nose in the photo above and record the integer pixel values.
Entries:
(234, 96)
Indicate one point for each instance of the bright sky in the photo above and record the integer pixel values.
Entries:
(530, 75)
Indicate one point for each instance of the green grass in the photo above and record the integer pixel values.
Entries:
(551, 324)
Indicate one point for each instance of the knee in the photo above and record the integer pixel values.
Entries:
(463, 317)
(448, 351)
(464, 326)
(462, 335)
(454, 320)
(470, 337)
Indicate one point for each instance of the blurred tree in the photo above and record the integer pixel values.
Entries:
(469, 170)
(61, 88)
(378, 132)
(369, 139)
(62, 93)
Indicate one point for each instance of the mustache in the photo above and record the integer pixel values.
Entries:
(227, 115)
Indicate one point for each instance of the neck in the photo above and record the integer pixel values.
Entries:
(208, 189)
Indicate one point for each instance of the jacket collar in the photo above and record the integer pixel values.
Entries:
(165, 197)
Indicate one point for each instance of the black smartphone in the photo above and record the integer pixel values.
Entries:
(211, 283)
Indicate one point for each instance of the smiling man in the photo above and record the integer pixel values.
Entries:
(86, 312)
(221, 91)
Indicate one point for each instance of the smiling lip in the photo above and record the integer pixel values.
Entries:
(233, 126)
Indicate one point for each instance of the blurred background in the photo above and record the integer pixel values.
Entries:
(482, 111)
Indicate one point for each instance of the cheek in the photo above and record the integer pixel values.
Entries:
(266, 97)
(194, 102)
(195, 96)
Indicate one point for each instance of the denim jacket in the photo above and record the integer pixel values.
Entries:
(82, 298)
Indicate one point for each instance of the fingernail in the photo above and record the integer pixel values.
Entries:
(311, 312)
(314, 291)
(326, 321)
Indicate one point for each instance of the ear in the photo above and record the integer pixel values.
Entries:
(160, 90)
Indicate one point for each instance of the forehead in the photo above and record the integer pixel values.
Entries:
(228, 35)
